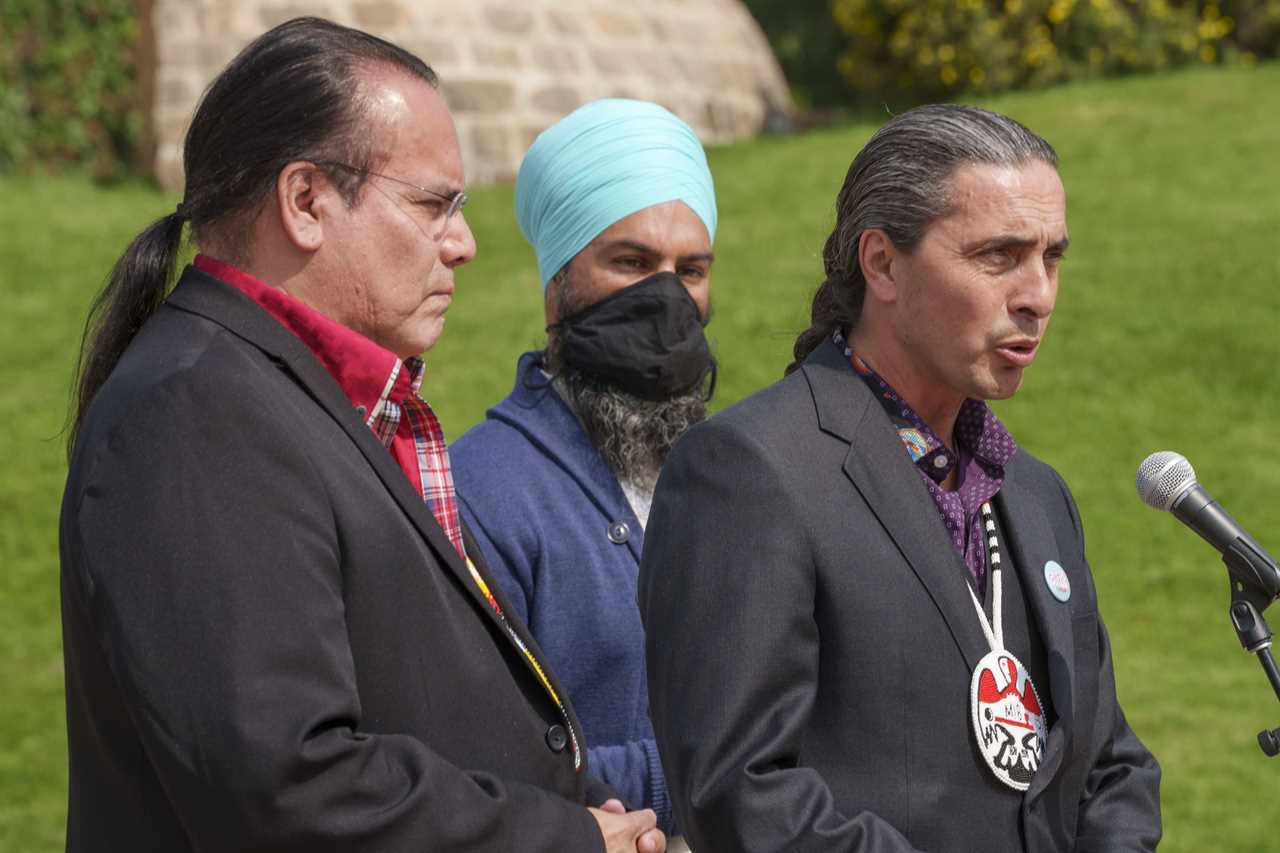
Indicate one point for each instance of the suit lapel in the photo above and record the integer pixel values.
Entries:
(205, 295)
(1031, 544)
(883, 474)
(890, 484)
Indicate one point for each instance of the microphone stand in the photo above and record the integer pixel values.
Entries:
(1248, 600)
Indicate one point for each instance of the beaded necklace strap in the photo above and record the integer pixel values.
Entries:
(993, 544)
(994, 629)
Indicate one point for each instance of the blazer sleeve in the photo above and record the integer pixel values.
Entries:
(209, 569)
(1120, 804)
(727, 592)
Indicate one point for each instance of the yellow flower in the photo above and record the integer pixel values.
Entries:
(948, 75)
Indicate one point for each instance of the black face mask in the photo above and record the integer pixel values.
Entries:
(645, 339)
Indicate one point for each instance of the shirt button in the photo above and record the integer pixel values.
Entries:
(619, 532)
(940, 461)
(557, 739)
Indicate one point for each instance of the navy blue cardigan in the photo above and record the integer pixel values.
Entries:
(542, 503)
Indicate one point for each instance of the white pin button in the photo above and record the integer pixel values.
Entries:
(940, 462)
(1055, 577)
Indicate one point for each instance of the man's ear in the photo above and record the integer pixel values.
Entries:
(303, 194)
(876, 256)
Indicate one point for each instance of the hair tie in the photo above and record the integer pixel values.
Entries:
(181, 211)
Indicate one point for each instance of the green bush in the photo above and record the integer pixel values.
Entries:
(1257, 28)
(806, 45)
(935, 49)
(902, 52)
(68, 85)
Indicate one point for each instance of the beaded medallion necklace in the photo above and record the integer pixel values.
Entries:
(1008, 720)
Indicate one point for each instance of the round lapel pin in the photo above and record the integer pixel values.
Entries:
(1055, 577)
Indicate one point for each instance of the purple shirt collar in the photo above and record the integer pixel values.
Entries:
(983, 447)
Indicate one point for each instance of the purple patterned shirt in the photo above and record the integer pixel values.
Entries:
(983, 449)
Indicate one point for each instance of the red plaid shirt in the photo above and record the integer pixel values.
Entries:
(383, 389)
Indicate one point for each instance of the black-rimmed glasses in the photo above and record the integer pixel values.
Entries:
(455, 202)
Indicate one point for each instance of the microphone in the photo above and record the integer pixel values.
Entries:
(1166, 481)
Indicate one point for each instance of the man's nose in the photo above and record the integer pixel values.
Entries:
(1037, 291)
(458, 246)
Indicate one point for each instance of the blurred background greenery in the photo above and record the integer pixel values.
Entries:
(70, 93)
(70, 97)
(903, 52)
(1165, 336)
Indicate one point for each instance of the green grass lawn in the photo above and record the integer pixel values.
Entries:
(1166, 336)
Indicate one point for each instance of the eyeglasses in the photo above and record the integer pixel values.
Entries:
(455, 202)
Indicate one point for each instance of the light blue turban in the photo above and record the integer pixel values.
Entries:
(603, 162)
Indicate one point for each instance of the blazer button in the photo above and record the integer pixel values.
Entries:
(619, 532)
(557, 739)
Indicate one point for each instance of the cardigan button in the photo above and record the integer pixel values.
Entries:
(557, 739)
(619, 532)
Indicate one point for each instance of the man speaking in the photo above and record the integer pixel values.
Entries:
(870, 621)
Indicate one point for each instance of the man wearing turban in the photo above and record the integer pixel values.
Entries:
(618, 203)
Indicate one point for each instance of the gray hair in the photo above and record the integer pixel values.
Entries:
(899, 183)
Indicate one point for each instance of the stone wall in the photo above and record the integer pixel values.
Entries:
(508, 68)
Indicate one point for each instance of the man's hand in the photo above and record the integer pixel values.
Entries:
(629, 832)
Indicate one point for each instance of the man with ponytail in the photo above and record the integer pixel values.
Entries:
(870, 621)
(278, 634)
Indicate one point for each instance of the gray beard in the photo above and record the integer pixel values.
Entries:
(633, 435)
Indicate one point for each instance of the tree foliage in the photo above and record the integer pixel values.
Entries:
(69, 94)
(902, 52)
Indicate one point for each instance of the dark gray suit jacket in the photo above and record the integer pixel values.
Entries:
(811, 638)
(270, 643)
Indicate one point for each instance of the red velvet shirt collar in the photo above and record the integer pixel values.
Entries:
(367, 373)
